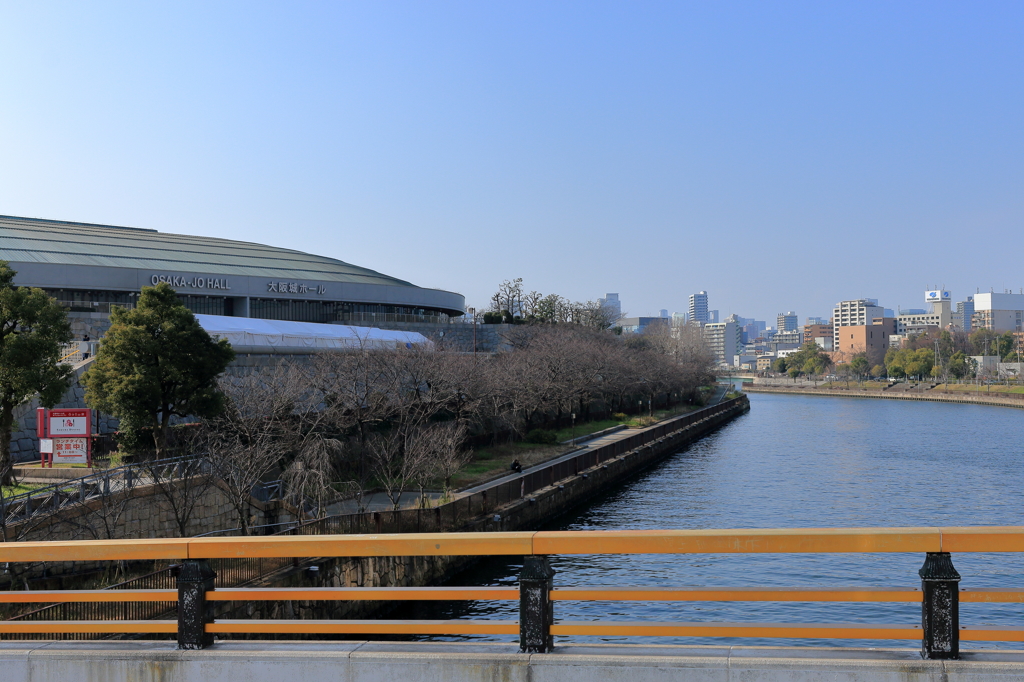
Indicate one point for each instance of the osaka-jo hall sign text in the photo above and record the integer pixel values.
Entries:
(195, 282)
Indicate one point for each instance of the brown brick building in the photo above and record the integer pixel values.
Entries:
(818, 331)
(871, 339)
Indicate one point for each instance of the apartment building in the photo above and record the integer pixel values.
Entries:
(813, 332)
(787, 322)
(723, 339)
(699, 308)
(857, 312)
(999, 312)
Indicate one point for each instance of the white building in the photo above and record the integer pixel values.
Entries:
(999, 312)
(854, 313)
(699, 307)
(611, 303)
(723, 339)
(940, 316)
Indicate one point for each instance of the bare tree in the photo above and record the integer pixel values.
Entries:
(181, 484)
(254, 434)
(308, 479)
(446, 454)
(395, 464)
(509, 297)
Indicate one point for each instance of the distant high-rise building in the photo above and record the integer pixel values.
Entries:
(699, 307)
(712, 316)
(817, 320)
(965, 311)
(611, 303)
(678, 319)
(664, 312)
(787, 322)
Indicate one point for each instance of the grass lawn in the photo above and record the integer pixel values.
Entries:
(871, 385)
(493, 461)
(20, 488)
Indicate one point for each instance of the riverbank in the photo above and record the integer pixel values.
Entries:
(525, 501)
(962, 397)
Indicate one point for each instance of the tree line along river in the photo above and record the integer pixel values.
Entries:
(798, 461)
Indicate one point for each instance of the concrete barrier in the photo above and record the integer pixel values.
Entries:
(359, 661)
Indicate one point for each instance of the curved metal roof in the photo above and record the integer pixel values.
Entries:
(33, 240)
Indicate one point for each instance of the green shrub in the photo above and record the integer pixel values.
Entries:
(542, 436)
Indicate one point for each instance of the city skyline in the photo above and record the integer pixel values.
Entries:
(780, 158)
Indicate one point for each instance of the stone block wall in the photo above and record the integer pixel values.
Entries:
(25, 443)
(93, 324)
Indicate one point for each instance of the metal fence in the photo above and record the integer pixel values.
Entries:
(60, 495)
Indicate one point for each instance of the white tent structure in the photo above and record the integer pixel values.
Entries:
(249, 335)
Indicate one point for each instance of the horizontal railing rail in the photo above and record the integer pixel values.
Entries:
(939, 593)
(525, 543)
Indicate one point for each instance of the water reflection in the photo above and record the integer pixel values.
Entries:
(798, 462)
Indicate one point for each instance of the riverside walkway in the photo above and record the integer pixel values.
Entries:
(588, 443)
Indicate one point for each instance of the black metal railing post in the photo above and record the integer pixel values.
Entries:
(536, 612)
(940, 607)
(194, 581)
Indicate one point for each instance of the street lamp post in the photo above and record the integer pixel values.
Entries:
(574, 429)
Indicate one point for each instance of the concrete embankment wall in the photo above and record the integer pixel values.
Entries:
(357, 661)
(964, 398)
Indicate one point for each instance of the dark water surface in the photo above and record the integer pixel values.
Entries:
(799, 461)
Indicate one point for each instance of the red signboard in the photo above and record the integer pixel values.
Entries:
(67, 431)
(75, 422)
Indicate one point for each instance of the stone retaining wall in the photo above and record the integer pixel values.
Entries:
(966, 398)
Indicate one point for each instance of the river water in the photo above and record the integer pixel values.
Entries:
(798, 461)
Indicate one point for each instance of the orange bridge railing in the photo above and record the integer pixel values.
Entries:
(939, 593)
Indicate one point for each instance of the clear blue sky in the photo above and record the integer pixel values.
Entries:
(782, 156)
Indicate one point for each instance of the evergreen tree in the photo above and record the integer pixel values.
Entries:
(33, 327)
(156, 363)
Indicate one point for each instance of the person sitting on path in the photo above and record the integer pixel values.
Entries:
(516, 466)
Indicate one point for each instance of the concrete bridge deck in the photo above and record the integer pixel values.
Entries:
(362, 661)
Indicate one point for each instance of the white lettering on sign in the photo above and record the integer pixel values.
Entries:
(70, 450)
(194, 282)
(295, 288)
(69, 426)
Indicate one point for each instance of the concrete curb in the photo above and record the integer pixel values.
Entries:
(364, 661)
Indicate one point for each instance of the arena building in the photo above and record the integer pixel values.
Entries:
(90, 268)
